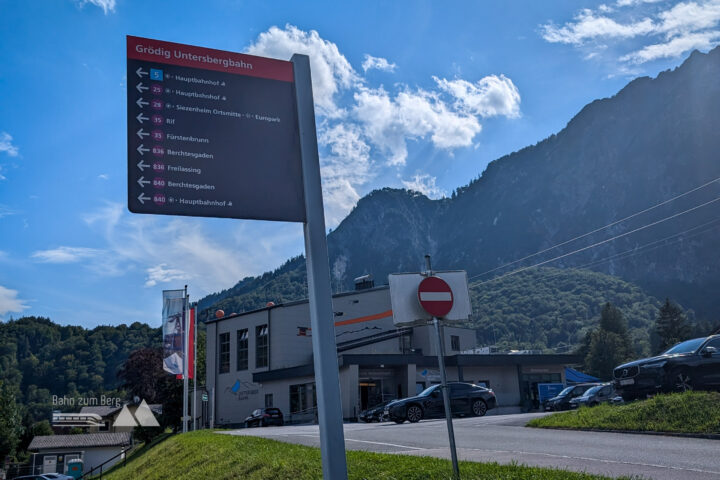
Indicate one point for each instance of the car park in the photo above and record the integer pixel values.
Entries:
(689, 365)
(465, 399)
(374, 414)
(263, 417)
(594, 396)
(562, 400)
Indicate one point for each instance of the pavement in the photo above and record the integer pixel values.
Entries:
(505, 439)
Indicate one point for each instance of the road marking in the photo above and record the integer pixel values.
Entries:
(572, 457)
(408, 447)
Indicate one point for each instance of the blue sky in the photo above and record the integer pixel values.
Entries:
(415, 94)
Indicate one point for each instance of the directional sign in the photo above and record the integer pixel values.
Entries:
(435, 296)
(211, 133)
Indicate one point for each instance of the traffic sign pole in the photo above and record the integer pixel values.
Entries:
(443, 380)
(327, 378)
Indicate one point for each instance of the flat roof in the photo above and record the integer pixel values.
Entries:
(295, 302)
(398, 360)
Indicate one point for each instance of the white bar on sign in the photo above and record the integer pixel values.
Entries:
(435, 296)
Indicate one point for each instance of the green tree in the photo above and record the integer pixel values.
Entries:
(145, 378)
(10, 421)
(671, 325)
(610, 344)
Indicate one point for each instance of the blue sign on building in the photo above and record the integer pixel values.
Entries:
(547, 391)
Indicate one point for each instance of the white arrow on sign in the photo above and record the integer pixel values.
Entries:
(142, 182)
(140, 87)
(140, 72)
(141, 149)
(142, 165)
(141, 118)
(140, 102)
(142, 198)
(141, 133)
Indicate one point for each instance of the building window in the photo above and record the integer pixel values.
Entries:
(224, 353)
(242, 349)
(268, 400)
(302, 398)
(261, 346)
(455, 343)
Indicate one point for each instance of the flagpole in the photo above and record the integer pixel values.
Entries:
(186, 339)
(194, 399)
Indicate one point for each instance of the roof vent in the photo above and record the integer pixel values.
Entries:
(364, 282)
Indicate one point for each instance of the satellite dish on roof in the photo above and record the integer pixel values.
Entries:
(219, 314)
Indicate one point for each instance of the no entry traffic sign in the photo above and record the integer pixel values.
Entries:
(435, 296)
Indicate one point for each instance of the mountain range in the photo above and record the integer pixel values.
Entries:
(647, 156)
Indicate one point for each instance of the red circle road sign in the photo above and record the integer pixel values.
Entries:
(435, 296)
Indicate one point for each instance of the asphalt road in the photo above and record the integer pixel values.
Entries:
(503, 439)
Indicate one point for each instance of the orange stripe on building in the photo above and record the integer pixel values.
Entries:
(368, 318)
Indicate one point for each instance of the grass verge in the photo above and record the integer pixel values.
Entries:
(688, 412)
(205, 455)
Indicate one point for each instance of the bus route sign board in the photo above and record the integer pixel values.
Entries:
(211, 133)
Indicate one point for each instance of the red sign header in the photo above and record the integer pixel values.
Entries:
(169, 53)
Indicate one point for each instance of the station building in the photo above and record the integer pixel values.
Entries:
(264, 358)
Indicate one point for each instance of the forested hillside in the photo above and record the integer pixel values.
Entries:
(550, 307)
(44, 359)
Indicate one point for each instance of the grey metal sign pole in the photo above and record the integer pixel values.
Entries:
(446, 398)
(444, 385)
(327, 379)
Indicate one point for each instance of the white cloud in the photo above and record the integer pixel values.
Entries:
(589, 26)
(488, 97)
(108, 6)
(686, 18)
(104, 176)
(6, 145)
(161, 273)
(9, 301)
(377, 63)
(641, 30)
(364, 128)
(389, 122)
(66, 254)
(6, 211)
(425, 184)
(331, 72)
(178, 248)
(627, 3)
(345, 169)
(675, 47)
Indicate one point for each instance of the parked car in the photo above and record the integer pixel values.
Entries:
(562, 400)
(263, 417)
(374, 414)
(594, 396)
(465, 399)
(692, 364)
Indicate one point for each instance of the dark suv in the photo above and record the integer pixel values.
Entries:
(692, 364)
(465, 399)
